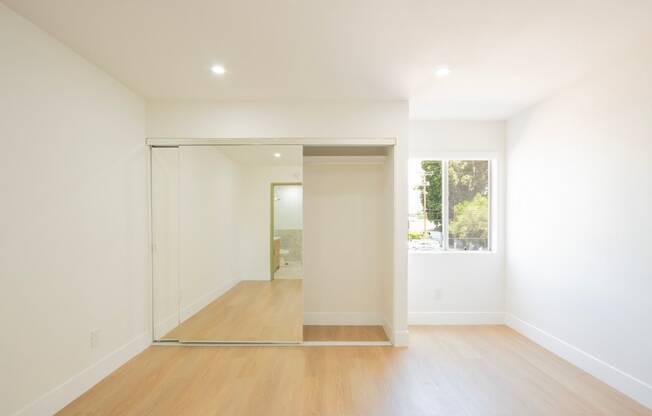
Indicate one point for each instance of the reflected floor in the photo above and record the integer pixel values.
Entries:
(251, 311)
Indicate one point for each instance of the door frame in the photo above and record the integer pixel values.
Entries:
(271, 222)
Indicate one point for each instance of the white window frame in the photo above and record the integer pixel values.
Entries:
(492, 158)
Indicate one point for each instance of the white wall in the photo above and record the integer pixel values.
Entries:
(345, 252)
(165, 239)
(288, 211)
(459, 287)
(209, 184)
(579, 233)
(252, 119)
(73, 246)
(254, 216)
(305, 119)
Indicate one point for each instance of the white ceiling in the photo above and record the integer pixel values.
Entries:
(504, 54)
(263, 155)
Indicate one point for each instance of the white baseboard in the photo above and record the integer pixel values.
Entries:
(261, 278)
(170, 322)
(389, 331)
(401, 338)
(166, 325)
(57, 398)
(198, 304)
(618, 379)
(456, 318)
(342, 318)
(397, 338)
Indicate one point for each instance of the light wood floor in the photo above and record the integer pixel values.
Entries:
(449, 371)
(344, 333)
(252, 311)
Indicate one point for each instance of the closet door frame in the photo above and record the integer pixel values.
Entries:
(154, 142)
(330, 142)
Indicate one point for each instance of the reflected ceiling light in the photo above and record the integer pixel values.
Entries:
(442, 71)
(218, 70)
(277, 155)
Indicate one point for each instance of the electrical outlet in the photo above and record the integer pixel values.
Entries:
(438, 294)
(95, 339)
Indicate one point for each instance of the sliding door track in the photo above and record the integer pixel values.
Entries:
(170, 343)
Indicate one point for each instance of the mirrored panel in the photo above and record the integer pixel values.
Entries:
(238, 240)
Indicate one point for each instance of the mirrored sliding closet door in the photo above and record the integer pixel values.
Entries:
(228, 252)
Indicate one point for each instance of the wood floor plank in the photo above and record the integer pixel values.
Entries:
(451, 371)
(252, 311)
(344, 333)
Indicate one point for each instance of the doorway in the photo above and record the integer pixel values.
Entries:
(286, 230)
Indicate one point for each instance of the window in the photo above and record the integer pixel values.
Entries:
(449, 207)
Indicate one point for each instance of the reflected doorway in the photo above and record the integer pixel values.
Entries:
(286, 231)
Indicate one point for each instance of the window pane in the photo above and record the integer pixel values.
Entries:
(425, 217)
(468, 204)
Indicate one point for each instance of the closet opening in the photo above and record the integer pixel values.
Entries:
(272, 244)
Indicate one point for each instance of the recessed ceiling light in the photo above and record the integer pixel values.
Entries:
(442, 71)
(277, 155)
(218, 70)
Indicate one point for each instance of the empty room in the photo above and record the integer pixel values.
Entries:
(333, 208)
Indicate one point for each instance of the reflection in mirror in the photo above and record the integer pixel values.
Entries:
(239, 247)
(165, 239)
(287, 225)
